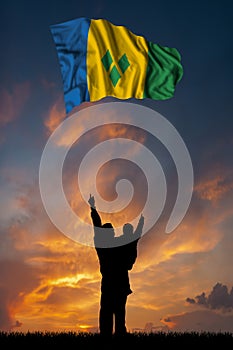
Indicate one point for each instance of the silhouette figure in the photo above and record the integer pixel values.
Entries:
(116, 257)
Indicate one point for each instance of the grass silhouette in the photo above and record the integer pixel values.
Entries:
(133, 340)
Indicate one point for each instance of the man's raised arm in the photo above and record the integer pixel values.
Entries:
(138, 231)
(96, 220)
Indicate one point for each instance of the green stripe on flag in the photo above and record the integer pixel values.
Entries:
(164, 71)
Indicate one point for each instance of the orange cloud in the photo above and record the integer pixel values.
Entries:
(79, 126)
(215, 186)
(55, 116)
(64, 274)
(197, 233)
(59, 275)
(62, 280)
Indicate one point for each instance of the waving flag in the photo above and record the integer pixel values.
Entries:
(99, 59)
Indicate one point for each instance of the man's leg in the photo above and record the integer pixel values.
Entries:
(120, 313)
(106, 315)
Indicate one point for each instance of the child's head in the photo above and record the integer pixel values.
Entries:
(128, 229)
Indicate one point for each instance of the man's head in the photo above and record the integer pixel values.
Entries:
(128, 229)
(109, 229)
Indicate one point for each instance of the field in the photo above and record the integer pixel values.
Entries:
(132, 340)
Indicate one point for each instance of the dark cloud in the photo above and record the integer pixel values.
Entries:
(201, 320)
(219, 298)
(17, 324)
(202, 299)
(151, 328)
(190, 300)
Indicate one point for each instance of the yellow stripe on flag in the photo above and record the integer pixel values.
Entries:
(116, 61)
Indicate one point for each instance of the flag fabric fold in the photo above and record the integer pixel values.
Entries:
(99, 59)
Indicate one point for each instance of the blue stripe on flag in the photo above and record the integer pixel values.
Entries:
(71, 44)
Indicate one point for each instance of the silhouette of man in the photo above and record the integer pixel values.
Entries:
(116, 257)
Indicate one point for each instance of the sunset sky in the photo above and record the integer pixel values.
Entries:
(180, 281)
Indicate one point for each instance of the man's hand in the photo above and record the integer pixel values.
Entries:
(91, 201)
